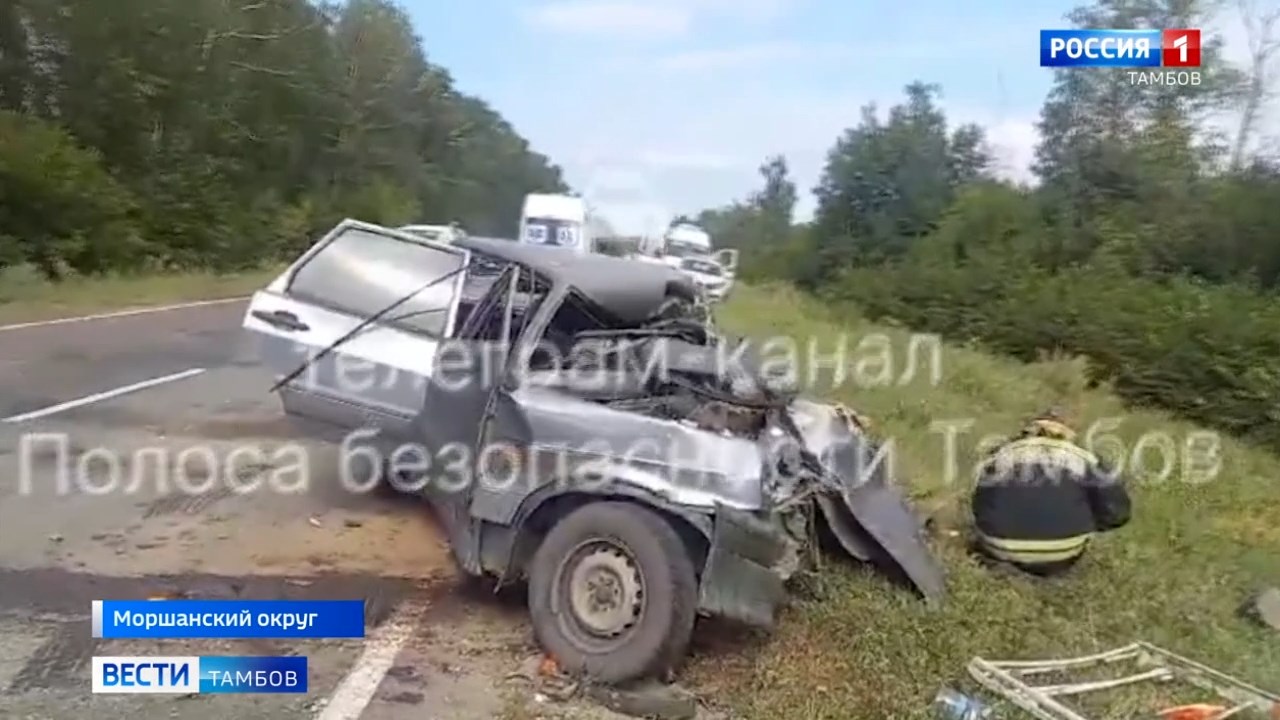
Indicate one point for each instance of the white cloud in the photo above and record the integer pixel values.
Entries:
(756, 54)
(687, 160)
(606, 17)
(651, 19)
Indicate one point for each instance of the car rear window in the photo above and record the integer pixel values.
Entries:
(361, 272)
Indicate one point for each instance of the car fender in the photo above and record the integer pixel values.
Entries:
(695, 523)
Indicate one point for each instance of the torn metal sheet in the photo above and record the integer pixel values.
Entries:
(740, 580)
(874, 523)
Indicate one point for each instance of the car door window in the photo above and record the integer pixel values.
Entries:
(361, 272)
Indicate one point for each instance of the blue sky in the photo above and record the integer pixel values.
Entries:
(655, 107)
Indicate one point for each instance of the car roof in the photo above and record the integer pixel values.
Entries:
(631, 291)
(563, 207)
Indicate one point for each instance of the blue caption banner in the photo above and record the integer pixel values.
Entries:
(186, 619)
(214, 674)
(1100, 48)
(261, 674)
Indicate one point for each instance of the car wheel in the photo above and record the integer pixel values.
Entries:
(613, 593)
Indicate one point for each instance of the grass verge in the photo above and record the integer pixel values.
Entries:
(1175, 576)
(26, 297)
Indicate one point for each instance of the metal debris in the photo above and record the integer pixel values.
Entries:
(1264, 608)
(1008, 678)
(648, 700)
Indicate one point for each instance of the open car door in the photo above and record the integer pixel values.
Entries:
(376, 375)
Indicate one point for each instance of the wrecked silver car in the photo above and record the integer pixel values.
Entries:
(576, 425)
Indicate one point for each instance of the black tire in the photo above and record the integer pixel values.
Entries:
(656, 642)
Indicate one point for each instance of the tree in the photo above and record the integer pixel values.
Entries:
(886, 183)
(1106, 140)
(1261, 27)
(242, 127)
(775, 203)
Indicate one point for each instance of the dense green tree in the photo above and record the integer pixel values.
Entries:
(1149, 245)
(888, 182)
(243, 127)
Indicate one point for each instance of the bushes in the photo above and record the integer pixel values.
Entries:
(1208, 352)
(59, 209)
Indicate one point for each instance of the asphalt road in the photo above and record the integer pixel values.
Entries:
(94, 418)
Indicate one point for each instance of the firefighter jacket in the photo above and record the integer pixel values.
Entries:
(1040, 500)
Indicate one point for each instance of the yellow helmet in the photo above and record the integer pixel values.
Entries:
(1052, 424)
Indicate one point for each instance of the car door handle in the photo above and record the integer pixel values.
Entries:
(282, 319)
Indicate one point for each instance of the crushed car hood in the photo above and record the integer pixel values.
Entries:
(755, 444)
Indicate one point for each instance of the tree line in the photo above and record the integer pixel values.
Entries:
(141, 135)
(1149, 243)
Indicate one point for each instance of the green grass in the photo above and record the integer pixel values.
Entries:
(1174, 577)
(24, 296)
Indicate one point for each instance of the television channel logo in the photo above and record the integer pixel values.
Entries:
(1178, 48)
(199, 675)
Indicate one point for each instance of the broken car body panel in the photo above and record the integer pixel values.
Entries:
(580, 383)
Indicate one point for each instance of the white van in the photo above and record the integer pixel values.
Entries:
(685, 240)
(688, 247)
(557, 220)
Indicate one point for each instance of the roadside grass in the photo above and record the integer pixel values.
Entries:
(1175, 576)
(25, 296)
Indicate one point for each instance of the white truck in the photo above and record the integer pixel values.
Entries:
(557, 220)
(688, 247)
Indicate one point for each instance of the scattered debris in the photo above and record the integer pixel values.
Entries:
(548, 667)
(407, 697)
(55, 538)
(647, 700)
(950, 704)
(352, 523)
(1264, 608)
(403, 673)
(315, 522)
(1199, 711)
(1008, 679)
(299, 583)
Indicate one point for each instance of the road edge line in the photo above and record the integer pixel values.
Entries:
(356, 690)
(122, 313)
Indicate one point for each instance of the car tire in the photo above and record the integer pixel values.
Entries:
(582, 588)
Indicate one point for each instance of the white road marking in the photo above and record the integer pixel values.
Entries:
(98, 397)
(122, 313)
(356, 690)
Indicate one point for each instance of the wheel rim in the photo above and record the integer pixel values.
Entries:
(602, 593)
